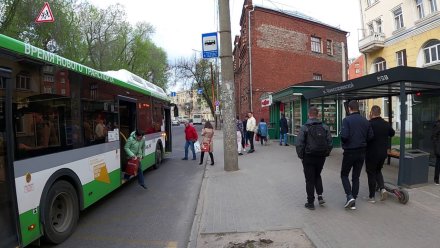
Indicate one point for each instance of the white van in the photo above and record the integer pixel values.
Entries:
(197, 119)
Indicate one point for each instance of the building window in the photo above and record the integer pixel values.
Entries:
(357, 71)
(370, 28)
(432, 52)
(368, 3)
(316, 44)
(329, 47)
(401, 57)
(398, 18)
(94, 91)
(380, 65)
(433, 5)
(317, 76)
(420, 12)
(379, 26)
(23, 82)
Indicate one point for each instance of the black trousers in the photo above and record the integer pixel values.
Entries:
(312, 171)
(352, 159)
(202, 154)
(374, 172)
(437, 169)
(250, 136)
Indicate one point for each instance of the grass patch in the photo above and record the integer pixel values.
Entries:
(396, 140)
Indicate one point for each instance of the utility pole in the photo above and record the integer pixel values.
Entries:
(227, 88)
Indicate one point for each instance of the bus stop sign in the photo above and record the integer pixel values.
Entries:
(209, 45)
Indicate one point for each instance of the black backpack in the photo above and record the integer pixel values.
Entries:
(316, 140)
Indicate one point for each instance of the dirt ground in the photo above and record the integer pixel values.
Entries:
(268, 239)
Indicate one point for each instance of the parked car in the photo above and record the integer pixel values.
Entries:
(175, 122)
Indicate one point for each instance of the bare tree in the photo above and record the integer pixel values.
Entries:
(196, 73)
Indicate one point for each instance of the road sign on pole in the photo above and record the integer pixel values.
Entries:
(209, 45)
(45, 14)
(173, 93)
(217, 103)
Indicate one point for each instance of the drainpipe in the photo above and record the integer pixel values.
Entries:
(344, 62)
(250, 56)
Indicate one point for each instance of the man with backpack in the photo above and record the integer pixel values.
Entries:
(313, 145)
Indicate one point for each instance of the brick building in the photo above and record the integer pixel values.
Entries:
(277, 49)
(357, 68)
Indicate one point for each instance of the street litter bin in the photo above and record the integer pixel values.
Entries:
(415, 167)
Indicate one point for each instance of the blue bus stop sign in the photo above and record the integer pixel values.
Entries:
(210, 45)
(199, 91)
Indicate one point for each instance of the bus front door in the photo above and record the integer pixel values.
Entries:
(8, 231)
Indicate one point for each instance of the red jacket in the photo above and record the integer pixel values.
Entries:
(191, 133)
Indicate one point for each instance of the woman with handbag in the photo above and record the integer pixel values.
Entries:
(207, 134)
(134, 148)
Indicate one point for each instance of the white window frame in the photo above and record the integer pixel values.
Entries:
(329, 46)
(398, 18)
(432, 54)
(357, 70)
(23, 82)
(317, 77)
(368, 3)
(420, 11)
(380, 66)
(401, 57)
(433, 5)
(379, 25)
(316, 44)
(370, 28)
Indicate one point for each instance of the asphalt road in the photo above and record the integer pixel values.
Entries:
(161, 216)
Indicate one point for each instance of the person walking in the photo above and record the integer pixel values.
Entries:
(207, 144)
(284, 128)
(244, 141)
(262, 131)
(191, 137)
(356, 131)
(251, 126)
(377, 153)
(239, 125)
(313, 145)
(134, 148)
(435, 137)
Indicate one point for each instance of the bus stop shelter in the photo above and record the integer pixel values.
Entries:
(399, 81)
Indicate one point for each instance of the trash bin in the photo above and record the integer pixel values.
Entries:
(415, 167)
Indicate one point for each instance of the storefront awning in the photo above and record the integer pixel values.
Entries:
(381, 84)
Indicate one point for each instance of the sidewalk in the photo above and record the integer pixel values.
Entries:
(265, 199)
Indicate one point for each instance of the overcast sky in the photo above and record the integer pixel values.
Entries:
(179, 24)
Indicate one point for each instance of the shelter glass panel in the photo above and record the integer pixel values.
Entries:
(297, 115)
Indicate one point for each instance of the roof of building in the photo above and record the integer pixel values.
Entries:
(299, 15)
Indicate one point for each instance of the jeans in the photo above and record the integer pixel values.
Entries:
(239, 142)
(312, 171)
(375, 177)
(250, 136)
(283, 136)
(191, 145)
(437, 169)
(352, 159)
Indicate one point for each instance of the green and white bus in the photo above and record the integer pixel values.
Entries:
(62, 130)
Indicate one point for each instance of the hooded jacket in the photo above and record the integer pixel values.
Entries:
(133, 147)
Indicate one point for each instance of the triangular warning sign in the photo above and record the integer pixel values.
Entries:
(45, 14)
(103, 174)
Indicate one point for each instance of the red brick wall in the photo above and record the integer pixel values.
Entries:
(282, 56)
(359, 64)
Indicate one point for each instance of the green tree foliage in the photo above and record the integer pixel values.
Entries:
(196, 73)
(100, 38)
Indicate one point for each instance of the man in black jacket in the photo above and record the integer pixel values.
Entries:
(283, 130)
(312, 159)
(435, 137)
(355, 132)
(377, 153)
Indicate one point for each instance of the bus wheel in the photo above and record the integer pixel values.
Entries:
(158, 157)
(61, 212)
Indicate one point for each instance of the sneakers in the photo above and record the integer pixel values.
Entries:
(321, 200)
(240, 153)
(371, 200)
(350, 202)
(286, 145)
(310, 206)
(353, 206)
(383, 194)
(436, 182)
(143, 186)
(184, 158)
(251, 151)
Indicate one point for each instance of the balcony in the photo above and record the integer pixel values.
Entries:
(372, 43)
